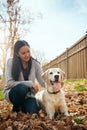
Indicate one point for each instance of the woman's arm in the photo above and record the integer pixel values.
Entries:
(39, 75)
(10, 82)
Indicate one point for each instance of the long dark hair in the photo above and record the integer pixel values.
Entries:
(16, 65)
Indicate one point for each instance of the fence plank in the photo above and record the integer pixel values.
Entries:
(73, 61)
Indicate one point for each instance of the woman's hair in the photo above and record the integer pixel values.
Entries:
(16, 65)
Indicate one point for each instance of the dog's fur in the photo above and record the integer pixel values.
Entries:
(52, 97)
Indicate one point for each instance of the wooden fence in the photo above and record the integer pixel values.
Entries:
(73, 61)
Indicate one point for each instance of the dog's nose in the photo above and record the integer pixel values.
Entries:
(56, 76)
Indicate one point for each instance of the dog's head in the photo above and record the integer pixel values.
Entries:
(54, 78)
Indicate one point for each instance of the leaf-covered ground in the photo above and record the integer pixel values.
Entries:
(77, 105)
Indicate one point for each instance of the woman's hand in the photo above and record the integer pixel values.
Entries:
(35, 87)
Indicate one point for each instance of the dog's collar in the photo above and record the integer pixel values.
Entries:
(54, 92)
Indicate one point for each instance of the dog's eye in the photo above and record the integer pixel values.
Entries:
(58, 72)
(51, 72)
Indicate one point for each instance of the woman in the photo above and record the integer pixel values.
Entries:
(21, 72)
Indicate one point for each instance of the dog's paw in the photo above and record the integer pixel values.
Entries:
(66, 114)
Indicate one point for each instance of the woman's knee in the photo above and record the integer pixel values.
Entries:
(21, 89)
(18, 93)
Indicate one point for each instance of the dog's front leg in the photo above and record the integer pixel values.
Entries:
(50, 111)
(64, 109)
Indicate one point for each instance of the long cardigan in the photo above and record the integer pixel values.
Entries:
(35, 73)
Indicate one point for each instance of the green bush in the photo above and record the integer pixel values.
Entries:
(80, 88)
(78, 120)
(1, 94)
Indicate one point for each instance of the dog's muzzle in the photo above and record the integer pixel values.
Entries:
(56, 80)
(56, 77)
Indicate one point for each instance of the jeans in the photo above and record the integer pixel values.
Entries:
(17, 96)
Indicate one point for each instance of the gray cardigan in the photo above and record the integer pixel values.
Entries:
(35, 73)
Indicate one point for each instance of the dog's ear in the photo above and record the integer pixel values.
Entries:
(44, 75)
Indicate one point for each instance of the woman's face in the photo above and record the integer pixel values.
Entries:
(24, 53)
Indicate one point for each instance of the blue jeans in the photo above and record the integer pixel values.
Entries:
(17, 96)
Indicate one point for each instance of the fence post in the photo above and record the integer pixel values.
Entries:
(66, 63)
(86, 55)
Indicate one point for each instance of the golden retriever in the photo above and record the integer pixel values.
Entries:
(52, 97)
